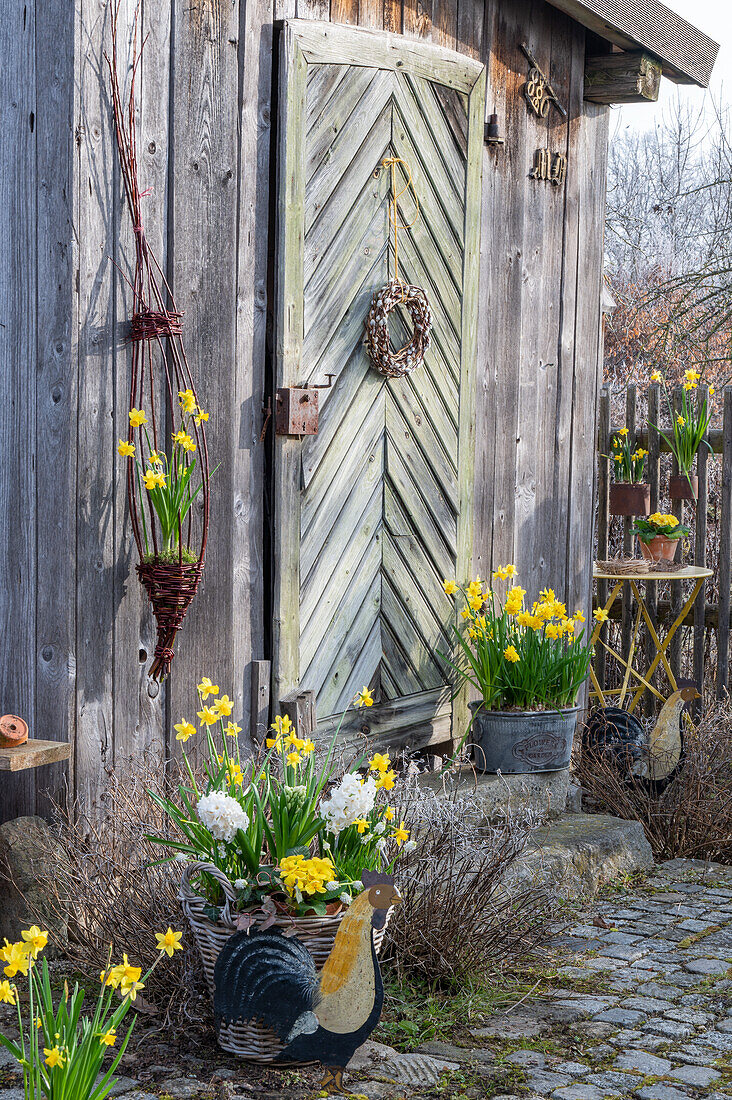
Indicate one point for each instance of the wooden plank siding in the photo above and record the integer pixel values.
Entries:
(76, 634)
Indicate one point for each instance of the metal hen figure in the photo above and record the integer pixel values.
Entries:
(323, 1017)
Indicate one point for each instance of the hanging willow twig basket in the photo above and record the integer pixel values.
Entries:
(165, 449)
(395, 364)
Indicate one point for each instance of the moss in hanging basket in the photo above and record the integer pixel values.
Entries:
(173, 557)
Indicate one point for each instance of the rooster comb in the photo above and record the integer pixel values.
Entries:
(376, 878)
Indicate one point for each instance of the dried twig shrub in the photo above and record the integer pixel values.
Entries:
(104, 881)
(692, 817)
(458, 921)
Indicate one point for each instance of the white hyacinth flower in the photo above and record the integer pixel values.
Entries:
(222, 815)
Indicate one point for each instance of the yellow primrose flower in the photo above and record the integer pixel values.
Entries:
(184, 730)
(35, 940)
(680, 421)
(125, 449)
(232, 729)
(137, 418)
(662, 519)
(386, 780)
(208, 716)
(293, 759)
(601, 615)
(223, 706)
(380, 762)
(361, 824)
(400, 835)
(308, 746)
(511, 654)
(389, 813)
(169, 941)
(54, 1057)
(306, 875)
(154, 479)
(7, 993)
(450, 587)
(16, 956)
(364, 698)
(206, 688)
(109, 1038)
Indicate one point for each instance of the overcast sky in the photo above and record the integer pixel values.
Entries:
(714, 17)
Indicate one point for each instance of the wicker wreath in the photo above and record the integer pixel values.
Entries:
(395, 364)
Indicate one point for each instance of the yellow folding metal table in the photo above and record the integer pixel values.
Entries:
(689, 572)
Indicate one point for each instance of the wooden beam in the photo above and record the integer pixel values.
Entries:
(33, 754)
(633, 77)
(261, 675)
(688, 56)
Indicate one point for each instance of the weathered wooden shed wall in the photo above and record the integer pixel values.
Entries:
(75, 632)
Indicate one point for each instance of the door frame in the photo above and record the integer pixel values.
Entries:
(304, 42)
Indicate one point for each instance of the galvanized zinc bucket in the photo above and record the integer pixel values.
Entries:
(522, 741)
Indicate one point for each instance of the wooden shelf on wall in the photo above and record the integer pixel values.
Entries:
(33, 754)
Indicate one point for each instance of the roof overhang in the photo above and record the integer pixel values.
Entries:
(686, 53)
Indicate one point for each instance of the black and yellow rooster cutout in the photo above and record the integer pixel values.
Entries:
(319, 1017)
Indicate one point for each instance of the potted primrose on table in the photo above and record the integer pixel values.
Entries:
(274, 840)
(689, 428)
(658, 536)
(528, 666)
(630, 495)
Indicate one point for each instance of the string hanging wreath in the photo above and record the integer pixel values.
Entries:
(395, 364)
(165, 449)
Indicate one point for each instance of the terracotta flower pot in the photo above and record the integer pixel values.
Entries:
(13, 731)
(659, 548)
(630, 500)
(683, 487)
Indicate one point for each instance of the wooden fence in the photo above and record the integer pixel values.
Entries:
(713, 615)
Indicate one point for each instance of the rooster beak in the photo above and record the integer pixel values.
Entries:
(396, 899)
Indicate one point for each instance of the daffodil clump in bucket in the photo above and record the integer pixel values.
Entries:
(284, 828)
(518, 659)
(61, 1052)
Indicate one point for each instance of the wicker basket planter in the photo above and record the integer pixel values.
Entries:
(250, 1040)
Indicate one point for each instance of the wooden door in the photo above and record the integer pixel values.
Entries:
(375, 510)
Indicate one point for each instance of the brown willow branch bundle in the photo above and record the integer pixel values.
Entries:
(158, 358)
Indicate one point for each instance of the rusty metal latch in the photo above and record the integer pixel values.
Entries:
(296, 408)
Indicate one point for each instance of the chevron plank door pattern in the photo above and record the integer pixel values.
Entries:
(374, 511)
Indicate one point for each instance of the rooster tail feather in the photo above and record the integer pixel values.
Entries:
(264, 976)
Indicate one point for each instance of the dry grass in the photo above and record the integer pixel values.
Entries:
(457, 922)
(106, 881)
(692, 817)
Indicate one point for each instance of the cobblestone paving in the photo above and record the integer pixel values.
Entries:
(656, 1023)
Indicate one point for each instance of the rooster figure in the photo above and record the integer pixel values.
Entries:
(651, 757)
(319, 1017)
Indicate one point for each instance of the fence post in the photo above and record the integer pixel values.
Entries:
(603, 513)
(700, 558)
(654, 479)
(677, 509)
(627, 627)
(725, 541)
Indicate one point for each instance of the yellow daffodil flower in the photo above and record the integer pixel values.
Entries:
(400, 835)
(184, 730)
(7, 993)
(475, 603)
(466, 613)
(623, 432)
(131, 989)
(510, 570)
(450, 587)
(364, 698)
(109, 1038)
(380, 762)
(361, 824)
(187, 400)
(601, 615)
(35, 940)
(137, 418)
(234, 774)
(200, 415)
(231, 729)
(154, 479)
(169, 942)
(223, 706)
(308, 746)
(511, 654)
(53, 1057)
(208, 716)
(711, 391)
(579, 616)
(206, 688)
(293, 759)
(125, 449)
(16, 956)
(680, 421)
(389, 814)
(656, 376)
(386, 780)
(475, 588)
